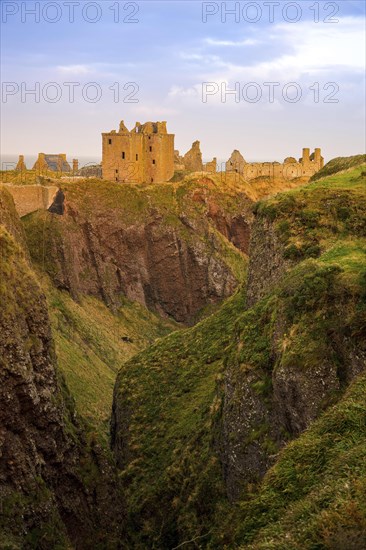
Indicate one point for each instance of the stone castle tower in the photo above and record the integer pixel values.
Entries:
(144, 154)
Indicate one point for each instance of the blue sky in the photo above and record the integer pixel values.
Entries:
(169, 53)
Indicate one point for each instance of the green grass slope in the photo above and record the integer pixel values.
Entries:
(169, 398)
(314, 497)
(92, 343)
(170, 393)
(339, 164)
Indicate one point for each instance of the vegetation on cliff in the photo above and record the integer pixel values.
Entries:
(175, 249)
(244, 431)
(166, 398)
(202, 415)
(92, 343)
(58, 487)
(339, 164)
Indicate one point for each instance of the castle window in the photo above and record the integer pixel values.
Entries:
(150, 148)
(152, 180)
(110, 142)
(123, 155)
(116, 171)
(137, 157)
(153, 161)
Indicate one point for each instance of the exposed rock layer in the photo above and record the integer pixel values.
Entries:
(173, 262)
(57, 488)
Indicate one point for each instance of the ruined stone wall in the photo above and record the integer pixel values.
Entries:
(307, 166)
(50, 162)
(29, 198)
(211, 166)
(192, 160)
(21, 167)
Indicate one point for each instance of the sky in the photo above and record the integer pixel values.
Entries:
(267, 78)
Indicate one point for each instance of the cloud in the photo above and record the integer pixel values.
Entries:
(315, 50)
(180, 91)
(227, 43)
(305, 53)
(76, 70)
(202, 58)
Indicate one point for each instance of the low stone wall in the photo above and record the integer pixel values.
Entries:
(29, 198)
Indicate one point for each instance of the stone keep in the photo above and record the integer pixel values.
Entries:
(144, 154)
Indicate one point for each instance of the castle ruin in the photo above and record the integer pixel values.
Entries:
(306, 166)
(144, 154)
(52, 163)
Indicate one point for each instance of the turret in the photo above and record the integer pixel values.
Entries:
(305, 155)
(75, 166)
(317, 156)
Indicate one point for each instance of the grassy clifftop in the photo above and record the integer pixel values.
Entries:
(339, 164)
(201, 415)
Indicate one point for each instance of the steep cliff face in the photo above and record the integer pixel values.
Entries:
(305, 272)
(199, 418)
(300, 224)
(160, 246)
(57, 486)
(298, 349)
(314, 494)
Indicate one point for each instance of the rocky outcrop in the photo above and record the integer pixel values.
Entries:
(173, 261)
(265, 407)
(267, 264)
(192, 160)
(304, 347)
(57, 487)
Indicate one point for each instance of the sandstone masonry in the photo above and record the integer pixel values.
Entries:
(306, 166)
(144, 154)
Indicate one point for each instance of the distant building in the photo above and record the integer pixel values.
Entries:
(53, 163)
(144, 154)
